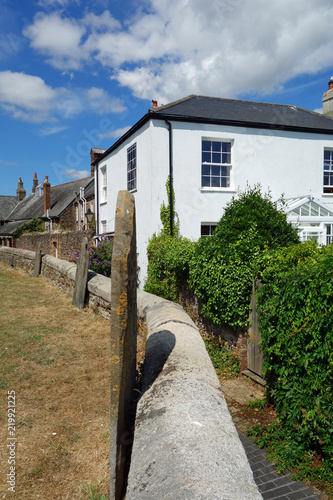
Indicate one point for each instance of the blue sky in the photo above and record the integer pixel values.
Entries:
(76, 74)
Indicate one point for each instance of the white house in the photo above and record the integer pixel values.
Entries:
(212, 147)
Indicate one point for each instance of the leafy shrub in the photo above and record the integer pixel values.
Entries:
(295, 305)
(34, 226)
(168, 258)
(224, 359)
(222, 267)
(100, 257)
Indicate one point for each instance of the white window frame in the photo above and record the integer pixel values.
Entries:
(328, 171)
(131, 168)
(104, 186)
(216, 163)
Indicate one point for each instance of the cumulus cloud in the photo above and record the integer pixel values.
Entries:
(29, 98)
(178, 47)
(58, 39)
(26, 97)
(74, 174)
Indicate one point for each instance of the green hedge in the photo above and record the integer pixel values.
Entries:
(222, 266)
(168, 259)
(295, 305)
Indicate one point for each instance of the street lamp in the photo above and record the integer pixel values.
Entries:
(90, 216)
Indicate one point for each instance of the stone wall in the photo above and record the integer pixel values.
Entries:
(61, 244)
(185, 443)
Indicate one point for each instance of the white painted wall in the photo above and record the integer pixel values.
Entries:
(284, 162)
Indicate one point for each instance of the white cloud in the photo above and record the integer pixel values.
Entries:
(51, 130)
(179, 47)
(12, 164)
(29, 98)
(57, 38)
(101, 102)
(74, 174)
(114, 134)
(26, 97)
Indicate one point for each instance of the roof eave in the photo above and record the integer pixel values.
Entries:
(123, 138)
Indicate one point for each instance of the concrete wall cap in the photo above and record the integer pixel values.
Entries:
(99, 285)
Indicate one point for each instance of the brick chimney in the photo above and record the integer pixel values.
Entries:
(47, 194)
(95, 153)
(20, 192)
(328, 100)
(34, 183)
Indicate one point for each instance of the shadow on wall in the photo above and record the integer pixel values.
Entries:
(158, 348)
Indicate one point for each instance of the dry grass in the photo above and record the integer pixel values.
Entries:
(56, 358)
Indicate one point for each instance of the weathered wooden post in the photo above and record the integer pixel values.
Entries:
(38, 261)
(255, 357)
(123, 342)
(81, 275)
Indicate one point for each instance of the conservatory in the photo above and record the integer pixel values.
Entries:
(313, 220)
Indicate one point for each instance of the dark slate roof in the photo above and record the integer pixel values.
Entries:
(10, 227)
(7, 203)
(233, 112)
(244, 113)
(61, 198)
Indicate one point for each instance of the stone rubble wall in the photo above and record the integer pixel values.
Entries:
(185, 443)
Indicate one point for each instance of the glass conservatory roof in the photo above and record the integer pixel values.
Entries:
(304, 207)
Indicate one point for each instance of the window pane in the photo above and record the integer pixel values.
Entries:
(216, 182)
(205, 181)
(206, 145)
(216, 146)
(204, 230)
(206, 157)
(226, 158)
(216, 157)
(216, 170)
(226, 147)
(205, 170)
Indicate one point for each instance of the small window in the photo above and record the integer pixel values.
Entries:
(103, 226)
(131, 168)
(215, 164)
(328, 171)
(104, 192)
(207, 229)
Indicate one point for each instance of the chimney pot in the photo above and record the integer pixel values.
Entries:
(154, 103)
(47, 194)
(34, 183)
(330, 83)
(20, 192)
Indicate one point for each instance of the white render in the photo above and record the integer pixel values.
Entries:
(283, 162)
